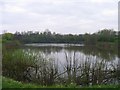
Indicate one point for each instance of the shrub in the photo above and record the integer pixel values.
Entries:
(15, 62)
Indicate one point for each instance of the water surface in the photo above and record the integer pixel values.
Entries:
(79, 51)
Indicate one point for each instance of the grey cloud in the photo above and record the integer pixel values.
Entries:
(63, 16)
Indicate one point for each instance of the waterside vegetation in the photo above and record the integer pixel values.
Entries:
(40, 71)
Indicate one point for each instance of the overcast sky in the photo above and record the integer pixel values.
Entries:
(61, 16)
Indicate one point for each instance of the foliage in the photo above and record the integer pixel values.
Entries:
(105, 35)
(8, 41)
(47, 37)
(31, 67)
(28, 66)
(10, 83)
(15, 63)
(7, 37)
(0, 81)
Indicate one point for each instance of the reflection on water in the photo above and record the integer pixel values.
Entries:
(76, 63)
(58, 51)
(53, 44)
(62, 64)
(82, 53)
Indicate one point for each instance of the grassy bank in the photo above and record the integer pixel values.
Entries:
(10, 83)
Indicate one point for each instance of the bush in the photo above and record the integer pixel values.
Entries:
(15, 63)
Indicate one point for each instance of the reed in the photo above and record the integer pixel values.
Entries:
(37, 68)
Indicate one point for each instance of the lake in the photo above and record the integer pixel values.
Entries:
(59, 52)
(75, 59)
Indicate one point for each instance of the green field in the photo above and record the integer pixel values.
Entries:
(10, 83)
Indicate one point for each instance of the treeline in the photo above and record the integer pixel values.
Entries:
(105, 35)
(47, 37)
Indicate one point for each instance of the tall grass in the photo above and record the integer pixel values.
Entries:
(33, 67)
(10, 83)
(89, 72)
(0, 81)
(15, 63)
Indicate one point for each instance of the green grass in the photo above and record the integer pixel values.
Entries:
(0, 82)
(10, 83)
